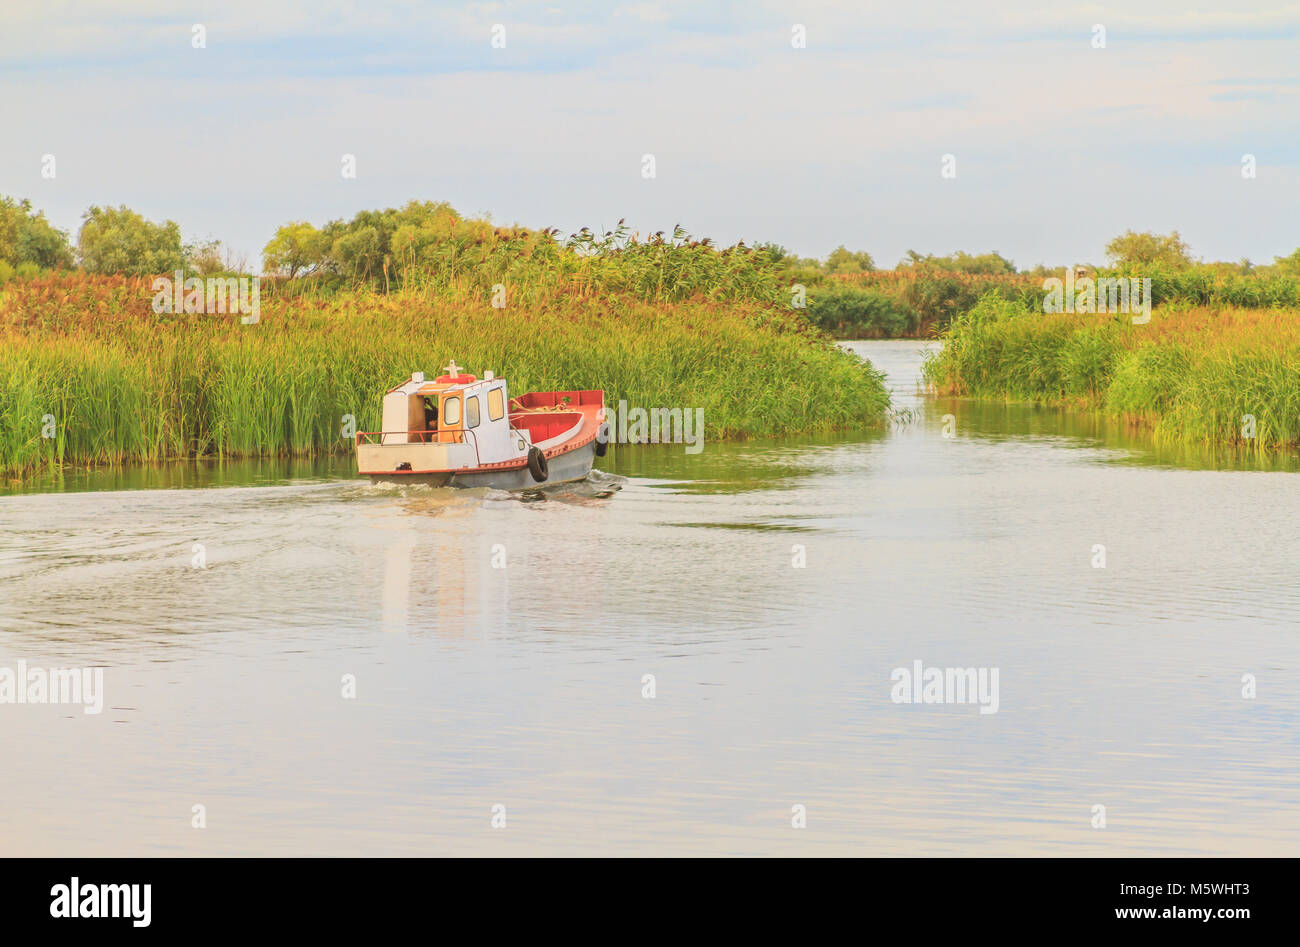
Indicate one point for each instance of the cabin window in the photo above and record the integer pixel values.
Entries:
(471, 411)
(451, 411)
(496, 404)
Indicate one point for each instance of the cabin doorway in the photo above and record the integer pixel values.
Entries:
(430, 418)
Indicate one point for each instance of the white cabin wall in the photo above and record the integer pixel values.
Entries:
(496, 441)
(396, 408)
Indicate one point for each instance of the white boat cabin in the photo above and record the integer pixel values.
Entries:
(454, 409)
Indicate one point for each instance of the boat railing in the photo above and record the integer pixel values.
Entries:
(422, 437)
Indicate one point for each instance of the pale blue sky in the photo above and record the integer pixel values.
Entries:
(1058, 145)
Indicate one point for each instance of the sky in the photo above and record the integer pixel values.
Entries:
(1058, 144)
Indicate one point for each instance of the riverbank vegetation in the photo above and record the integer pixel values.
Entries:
(849, 297)
(1207, 374)
(90, 374)
(429, 246)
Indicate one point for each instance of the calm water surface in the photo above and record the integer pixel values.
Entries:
(522, 686)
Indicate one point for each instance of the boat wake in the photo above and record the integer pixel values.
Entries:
(597, 485)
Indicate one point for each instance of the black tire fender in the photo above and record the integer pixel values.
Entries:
(537, 465)
(602, 440)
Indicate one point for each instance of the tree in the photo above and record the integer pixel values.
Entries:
(297, 246)
(775, 253)
(1289, 264)
(118, 240)
(27, 237)
(981, 264)
(842, 260)
(205, 258)
(361, 251)
(1148, 249)
(358, 249)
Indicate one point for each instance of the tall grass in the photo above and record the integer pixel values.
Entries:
(1191, 375)
(124, 384)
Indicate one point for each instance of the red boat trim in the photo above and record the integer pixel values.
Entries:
(555, 451)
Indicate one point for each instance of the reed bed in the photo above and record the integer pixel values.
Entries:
(1190, 375)
(923, 300)
(123, 384)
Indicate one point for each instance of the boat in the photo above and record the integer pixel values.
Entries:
(459, 430)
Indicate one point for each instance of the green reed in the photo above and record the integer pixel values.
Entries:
(1211, 376)
(129, 386)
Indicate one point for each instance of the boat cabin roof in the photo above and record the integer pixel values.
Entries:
(418, 385)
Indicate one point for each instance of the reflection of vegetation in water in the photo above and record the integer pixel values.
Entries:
(999, 420)
(1200, 376)
(904, 417)
(729, 467)
(259, 471)
(755, 527)
(273, 471)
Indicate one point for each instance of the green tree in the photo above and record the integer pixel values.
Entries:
(842, 260)
(1289, 264)
(979, 264)
(776, 253)
(205, 258)
(296, 247)
(27, 237)
(118, 240)
(1147, 249)
(358, 248)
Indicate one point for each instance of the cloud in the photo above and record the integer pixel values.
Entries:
(1240, 96)
(1059, 145)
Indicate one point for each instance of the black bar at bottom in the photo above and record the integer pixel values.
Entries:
(332, 896)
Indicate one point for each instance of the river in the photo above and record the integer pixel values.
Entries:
(690, 656)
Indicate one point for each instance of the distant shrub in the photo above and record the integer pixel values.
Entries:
(843, 261)
(118, 240)
(1148, 249)
(1210, 284)
(845, 310)
(27, 237)
(974, 264)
